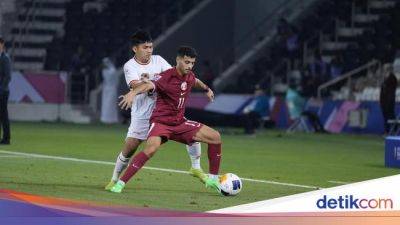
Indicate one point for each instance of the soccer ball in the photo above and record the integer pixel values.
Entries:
(230, 184)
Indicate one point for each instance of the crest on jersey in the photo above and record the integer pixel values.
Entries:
(184, 86)
(145, 76)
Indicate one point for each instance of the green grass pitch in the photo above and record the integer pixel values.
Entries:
(304, 159)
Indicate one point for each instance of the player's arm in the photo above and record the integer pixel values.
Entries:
(134, 83)
(133, 77)
(200, 85)
(127, 99)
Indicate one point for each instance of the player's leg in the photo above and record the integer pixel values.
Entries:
(141, 158)
(207, 135)
(122, 161)
(130, 147)
(137, 132)
(194, 151)
(213, 139)
(138, 161)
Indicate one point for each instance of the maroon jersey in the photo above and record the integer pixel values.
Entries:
(172, 93)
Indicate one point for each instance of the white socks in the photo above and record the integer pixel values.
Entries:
(194, 152)
(120, 165)
(122, 162)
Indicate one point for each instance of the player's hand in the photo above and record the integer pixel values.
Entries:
(210, 95)
(126, 100)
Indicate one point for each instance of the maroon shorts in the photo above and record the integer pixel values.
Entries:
(182, 133)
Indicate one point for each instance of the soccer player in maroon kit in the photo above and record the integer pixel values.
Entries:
(167, 120)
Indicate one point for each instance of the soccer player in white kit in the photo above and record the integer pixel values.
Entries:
(144, 66)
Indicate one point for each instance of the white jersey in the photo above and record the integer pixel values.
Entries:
(133, 70)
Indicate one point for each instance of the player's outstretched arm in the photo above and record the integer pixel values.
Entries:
(199, 84)
(127, 99)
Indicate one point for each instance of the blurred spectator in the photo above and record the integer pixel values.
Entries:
(256, 110)
(312, 117)
(79, 62)
(55, 52)
(283, 31)
(297, 110)
(292, 47)
(336, 68)
(387, 98)
(80, 77)
(309, 84)
(396, 63)
(109, 112)
(318, 68)
(5, 78)
(295, 102)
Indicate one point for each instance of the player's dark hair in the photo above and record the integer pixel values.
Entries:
(140, 37)
(2, 40)
(187, 51)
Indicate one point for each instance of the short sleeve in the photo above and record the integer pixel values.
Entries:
(130, 74)
(164, 64)
(193, 80)
(160, 82)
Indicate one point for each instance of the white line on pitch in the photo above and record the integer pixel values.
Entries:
(12, 156)
(338, 182)
(146, 167)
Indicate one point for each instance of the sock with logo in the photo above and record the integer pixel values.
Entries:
(214, 158)
(137, 163)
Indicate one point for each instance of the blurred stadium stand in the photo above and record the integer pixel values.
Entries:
(334, 49)
(354, 32)
(34, 25)
(45, 34)
(7, 9)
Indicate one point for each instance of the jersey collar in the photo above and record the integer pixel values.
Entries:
(143, 64)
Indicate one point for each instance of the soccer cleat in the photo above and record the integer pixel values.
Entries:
(117, 188)
(110, 185)
(199, 174)
(213, 184)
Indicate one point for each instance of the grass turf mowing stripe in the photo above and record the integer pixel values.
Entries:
(149, 168)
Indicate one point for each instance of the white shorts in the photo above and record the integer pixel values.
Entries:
(138, 129)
